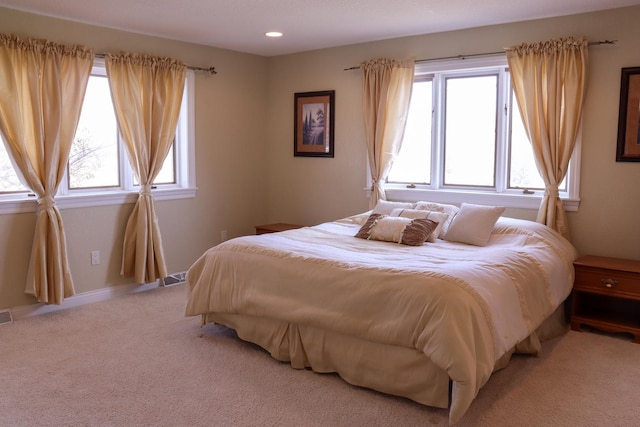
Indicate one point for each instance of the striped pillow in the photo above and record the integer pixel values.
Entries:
(407, 231)
(439, 217)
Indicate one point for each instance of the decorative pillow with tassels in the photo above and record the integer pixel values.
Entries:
(407, 231)
(439, 217)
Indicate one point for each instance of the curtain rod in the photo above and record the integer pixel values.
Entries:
(210, 70)
(473, 55)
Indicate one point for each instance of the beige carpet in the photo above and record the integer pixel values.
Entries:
(137, 361)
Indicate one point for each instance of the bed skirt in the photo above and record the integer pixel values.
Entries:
(390, 369)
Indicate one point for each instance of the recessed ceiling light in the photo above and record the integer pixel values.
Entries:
(273, 34)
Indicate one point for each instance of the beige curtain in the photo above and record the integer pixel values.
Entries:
(42, 87)
(549, 81)
(386, 91)
(147, 93)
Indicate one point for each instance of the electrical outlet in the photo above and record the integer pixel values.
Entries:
(223, 235)
(95, 257)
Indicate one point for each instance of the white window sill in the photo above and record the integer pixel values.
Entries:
(509, 200)
(23, 203)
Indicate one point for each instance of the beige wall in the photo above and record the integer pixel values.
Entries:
(239, 189)
(229, 159)
(315, 190)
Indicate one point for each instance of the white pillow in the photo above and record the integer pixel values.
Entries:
(450, 210)
(473, 224)
(439, 217)
(384, 207)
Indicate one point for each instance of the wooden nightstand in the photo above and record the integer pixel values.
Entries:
(606, 295)
(276, 227)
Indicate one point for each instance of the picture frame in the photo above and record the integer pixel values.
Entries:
(314, 124)
(628, 147)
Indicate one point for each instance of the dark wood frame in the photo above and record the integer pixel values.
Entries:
(628, 149)
(303, 102)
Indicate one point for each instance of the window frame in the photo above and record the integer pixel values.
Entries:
(501, 195)
(127, 192)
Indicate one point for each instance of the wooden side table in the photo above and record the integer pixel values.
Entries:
(606, 295)
(276, 227)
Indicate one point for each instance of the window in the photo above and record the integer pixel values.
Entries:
(9, 182)
(94, 159)
(465, 141)
(98, 170)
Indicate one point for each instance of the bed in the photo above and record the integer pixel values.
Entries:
(429, 321)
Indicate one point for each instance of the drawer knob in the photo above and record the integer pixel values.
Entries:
(609, 283)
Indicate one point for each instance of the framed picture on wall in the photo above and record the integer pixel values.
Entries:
(313, 129)
(628, 149)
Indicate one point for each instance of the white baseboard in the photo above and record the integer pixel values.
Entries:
(104, 294)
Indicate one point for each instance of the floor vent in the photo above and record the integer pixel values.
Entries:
(5, 317)
(173, 279)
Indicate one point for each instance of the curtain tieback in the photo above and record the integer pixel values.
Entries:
(46, 202)
(145, 190)
(552, 191)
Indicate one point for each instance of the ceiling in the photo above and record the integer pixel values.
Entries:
(307, 24)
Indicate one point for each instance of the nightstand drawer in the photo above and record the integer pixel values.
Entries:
(608, 282)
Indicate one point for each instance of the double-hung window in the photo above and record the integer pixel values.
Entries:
(465, 141)
(98, 171)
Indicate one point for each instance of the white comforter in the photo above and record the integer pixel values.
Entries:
(463, 306)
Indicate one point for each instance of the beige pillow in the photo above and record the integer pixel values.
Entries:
(450, 210)
(473, 224)
(412, 232)
(385, 207)
(439, 217)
